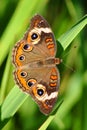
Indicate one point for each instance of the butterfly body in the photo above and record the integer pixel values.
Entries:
(34, 58)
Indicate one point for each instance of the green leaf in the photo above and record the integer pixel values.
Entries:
(68, 37)
(11, 103)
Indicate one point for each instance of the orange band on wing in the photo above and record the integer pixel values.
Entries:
(48, 40)
(18, 53)
(53, 77)
(28, 38)
(53, 84)
(22, 81)
(50, 46)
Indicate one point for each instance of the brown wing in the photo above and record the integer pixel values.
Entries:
(41, 83)
(38, 43)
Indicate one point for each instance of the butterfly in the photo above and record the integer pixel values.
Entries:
(35, 64)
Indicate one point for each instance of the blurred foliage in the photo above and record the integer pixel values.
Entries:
(61, 15)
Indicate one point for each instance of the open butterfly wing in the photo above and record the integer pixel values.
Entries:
(41, 83)
(29, 50)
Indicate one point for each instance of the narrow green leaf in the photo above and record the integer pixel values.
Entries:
(12, 102)
(5, 79)
(68, 37)
(47, 122)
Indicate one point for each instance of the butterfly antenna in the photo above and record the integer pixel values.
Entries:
(68, 67)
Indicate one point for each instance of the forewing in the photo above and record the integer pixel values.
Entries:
(29, 50)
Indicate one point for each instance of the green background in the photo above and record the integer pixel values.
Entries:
(18, 110)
